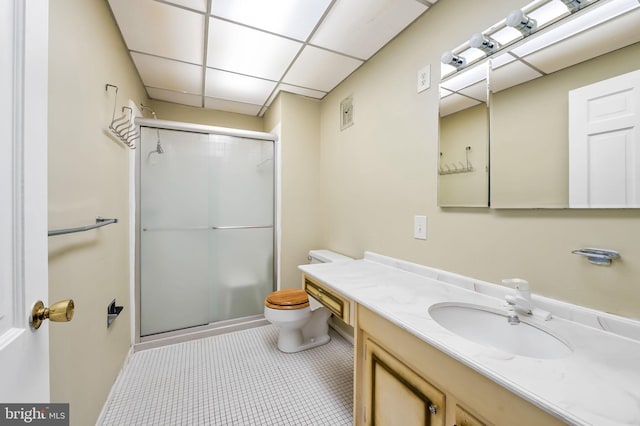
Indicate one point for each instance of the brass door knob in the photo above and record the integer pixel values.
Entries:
(58, 312)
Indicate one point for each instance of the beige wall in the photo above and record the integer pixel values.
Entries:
(187, 114)
(382, 171)
(88, 177)
(299, 120)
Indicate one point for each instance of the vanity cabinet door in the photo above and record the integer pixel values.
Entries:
(396, 395)
(398, 377)
(464, 418)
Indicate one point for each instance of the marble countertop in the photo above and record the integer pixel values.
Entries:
(597, 384)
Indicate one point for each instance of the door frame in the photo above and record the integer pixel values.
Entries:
(25, 350)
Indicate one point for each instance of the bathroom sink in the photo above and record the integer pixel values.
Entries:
(490, 328)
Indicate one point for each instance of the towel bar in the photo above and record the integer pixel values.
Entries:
(100, 221)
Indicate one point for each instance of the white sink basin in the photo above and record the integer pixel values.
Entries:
(490, 328)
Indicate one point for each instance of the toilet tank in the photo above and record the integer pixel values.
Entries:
(326, 256)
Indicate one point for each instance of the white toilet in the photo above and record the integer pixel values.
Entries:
(302, 320)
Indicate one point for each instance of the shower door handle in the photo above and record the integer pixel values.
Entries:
(242, 227)
(206, 228)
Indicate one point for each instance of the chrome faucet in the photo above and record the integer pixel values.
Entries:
(512, 318)
(521, 302)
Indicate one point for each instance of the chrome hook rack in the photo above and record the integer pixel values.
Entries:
(123, 127)
(451, 168)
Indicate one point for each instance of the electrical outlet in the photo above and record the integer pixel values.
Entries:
(420, 227)
(424, 78)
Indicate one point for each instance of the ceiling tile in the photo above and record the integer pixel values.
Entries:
(246, 51)
(320, 69)
(226, 85)
(175, 97)
(199, 5)
(291, 18)
(168, 74)
(361, 27)
(224, 105)
(252, 44)
(160, 29)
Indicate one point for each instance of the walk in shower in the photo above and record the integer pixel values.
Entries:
(205, 225)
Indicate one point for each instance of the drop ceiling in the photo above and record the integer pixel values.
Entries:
(237, 55)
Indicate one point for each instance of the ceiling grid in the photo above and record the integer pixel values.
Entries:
(237, 55)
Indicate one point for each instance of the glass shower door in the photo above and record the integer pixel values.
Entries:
(206, 228)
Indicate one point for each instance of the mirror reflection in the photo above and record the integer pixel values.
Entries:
(530, 86)
(463, 179)
(531, 77)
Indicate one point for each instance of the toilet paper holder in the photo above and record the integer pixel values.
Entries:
(112, 312)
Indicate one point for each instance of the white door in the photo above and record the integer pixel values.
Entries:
(604, 143)
(24, 353)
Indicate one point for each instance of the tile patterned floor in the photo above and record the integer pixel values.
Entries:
(239, 378)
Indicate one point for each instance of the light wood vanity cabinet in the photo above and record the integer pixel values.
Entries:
(401, 380)
(340, 306)
(396, 395)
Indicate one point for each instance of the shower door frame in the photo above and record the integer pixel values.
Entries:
(222, 326)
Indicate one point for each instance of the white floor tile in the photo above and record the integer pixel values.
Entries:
(239, 378)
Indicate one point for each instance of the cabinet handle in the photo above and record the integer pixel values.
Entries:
(433, 409)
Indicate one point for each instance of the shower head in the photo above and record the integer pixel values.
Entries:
(143, 107)
(159, 148)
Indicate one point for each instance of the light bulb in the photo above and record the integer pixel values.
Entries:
(454, 60)
(484, 43)
(521, 22)
(573, 5)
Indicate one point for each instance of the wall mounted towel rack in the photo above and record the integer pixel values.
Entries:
(100, 221)
(123, 127)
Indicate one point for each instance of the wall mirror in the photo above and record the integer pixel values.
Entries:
(530, 82)
(531, 61)
(463, 178)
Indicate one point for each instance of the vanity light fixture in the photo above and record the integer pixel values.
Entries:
(573, 5)
(484, 43)
(449, 58)
(521, 22)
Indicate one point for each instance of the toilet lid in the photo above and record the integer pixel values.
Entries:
(292, 298)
